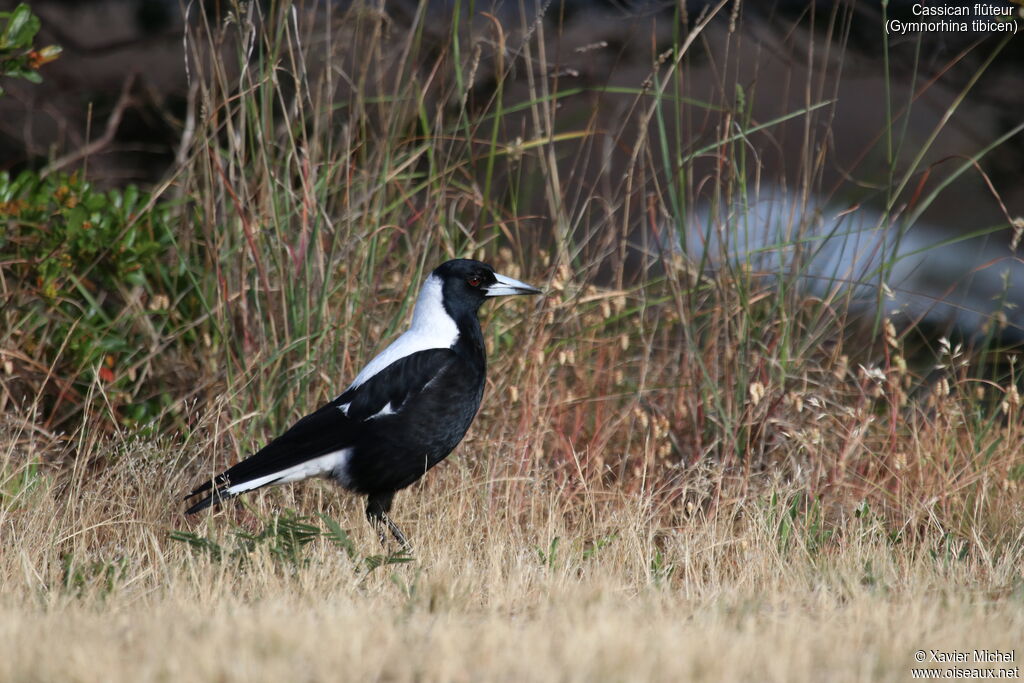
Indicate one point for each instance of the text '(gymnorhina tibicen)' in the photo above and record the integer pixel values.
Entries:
(403, 414)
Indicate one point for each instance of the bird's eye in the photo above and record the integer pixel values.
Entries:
(473, 281)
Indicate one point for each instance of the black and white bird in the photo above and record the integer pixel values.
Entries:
(403, 414)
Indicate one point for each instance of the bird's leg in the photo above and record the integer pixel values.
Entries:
(377, 506)
(397, 533)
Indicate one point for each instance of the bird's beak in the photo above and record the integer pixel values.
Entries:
(506, 286)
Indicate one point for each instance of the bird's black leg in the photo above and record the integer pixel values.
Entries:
(377, 507)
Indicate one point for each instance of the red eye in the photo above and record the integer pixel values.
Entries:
(474, 281)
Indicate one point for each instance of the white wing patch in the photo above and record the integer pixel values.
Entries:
(431, 328)
(329, 463)
(383, 412)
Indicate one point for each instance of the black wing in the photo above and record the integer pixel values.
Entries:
(330, 428)
(395, 384)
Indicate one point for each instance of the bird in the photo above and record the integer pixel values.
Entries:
(405, 411)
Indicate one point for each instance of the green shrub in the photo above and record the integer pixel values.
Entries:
(86, 286)
(18, 58)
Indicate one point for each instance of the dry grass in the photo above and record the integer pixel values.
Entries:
(631, 589)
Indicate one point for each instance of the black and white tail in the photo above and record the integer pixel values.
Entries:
(311, 448)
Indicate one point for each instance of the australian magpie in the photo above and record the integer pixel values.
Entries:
(403, 413)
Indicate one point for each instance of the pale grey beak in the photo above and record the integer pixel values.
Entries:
(506, 286)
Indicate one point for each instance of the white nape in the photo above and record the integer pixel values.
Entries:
(431, 328)
(328, 463)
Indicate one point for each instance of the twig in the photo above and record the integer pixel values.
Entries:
(123, 101)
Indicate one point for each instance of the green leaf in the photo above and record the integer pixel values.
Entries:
(338, 536)
(21, 28)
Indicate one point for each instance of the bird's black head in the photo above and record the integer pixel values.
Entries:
(465, 284)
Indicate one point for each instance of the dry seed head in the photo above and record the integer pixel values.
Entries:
(665, 450)
(515, 151)
(756, 392)
(513, 393)
(807, 439)
(1018, 222)
(890, 334)
(841, 368)
(159, 302)
(873, 373)
(660, 426)
(999, 319)
(734, 15)
(561, 278)
(1011, 400)
(624, 341)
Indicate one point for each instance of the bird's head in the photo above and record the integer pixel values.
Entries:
(466, 283)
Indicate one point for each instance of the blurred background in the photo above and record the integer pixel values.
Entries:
(839, 115)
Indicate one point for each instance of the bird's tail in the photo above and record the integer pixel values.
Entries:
(216, 498)
(219, 492)
(274, 464)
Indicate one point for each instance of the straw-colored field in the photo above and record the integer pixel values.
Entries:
(512, 580)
